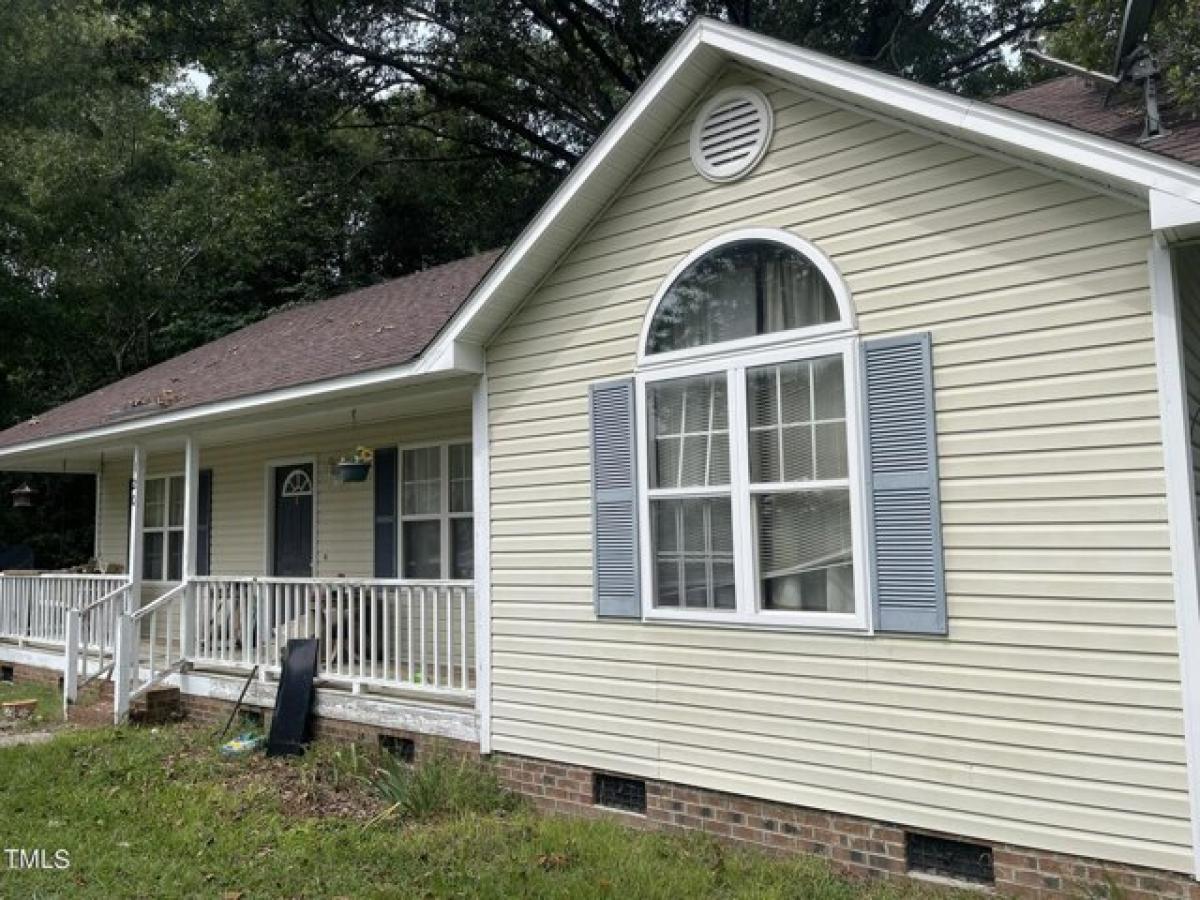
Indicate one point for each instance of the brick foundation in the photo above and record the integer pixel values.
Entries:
(860, 847)
(24, 674)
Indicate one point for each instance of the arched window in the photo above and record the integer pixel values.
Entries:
(741, 289)
(750, 484)
(297, 484)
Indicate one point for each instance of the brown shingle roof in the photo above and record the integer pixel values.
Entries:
(383, 325)
(1075, 101)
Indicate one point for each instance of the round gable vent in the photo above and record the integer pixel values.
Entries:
(731, 133)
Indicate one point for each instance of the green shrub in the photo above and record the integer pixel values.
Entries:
(441, 787)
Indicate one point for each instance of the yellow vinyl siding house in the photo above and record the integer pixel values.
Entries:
(851, 474)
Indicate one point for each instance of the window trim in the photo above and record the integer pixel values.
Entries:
(443, 515)
(848, 321)
(734, 358)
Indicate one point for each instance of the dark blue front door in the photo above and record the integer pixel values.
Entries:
(293, 538)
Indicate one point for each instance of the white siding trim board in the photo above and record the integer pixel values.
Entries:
(482, 502)
(1181, 504)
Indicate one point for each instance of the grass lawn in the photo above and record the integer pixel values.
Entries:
(49, 709)
(159, 813)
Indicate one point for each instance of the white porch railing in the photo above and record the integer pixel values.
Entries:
(149, 647)
(418, 636)
(34, 607)
(91, 640)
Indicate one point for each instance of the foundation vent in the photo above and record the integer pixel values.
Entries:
(618, 792)
(731, 134)
(401, 748)
(948, 858)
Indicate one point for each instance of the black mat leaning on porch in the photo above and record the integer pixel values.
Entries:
(290, 725)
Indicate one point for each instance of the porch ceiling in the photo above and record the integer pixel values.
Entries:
(314, 414)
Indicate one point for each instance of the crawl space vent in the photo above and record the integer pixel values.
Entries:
(948, 858)
(731, 134)
(617, 792)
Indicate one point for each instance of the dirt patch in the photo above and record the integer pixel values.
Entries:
(305, 790)
(317, 785)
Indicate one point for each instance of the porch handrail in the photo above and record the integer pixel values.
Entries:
(74, 576)
(34, 606)
(375, 633)
(109, 596)
(130, 680)
(165, 600)
(338, 580)
(92, 627)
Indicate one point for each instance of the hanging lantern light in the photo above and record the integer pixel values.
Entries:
(23, 496)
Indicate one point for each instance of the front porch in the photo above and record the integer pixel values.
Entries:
(392, 639)
(222, 545)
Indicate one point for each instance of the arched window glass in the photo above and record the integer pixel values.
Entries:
(740, 290)
(297, 484)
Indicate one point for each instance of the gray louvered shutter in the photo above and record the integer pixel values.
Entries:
(907, 578)
(204, 523)
(614, 499)
(386, 500)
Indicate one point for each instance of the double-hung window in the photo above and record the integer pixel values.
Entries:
(437, 524)
(749, 445)
(162, 529)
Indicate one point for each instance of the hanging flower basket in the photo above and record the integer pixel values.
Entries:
(357, 467)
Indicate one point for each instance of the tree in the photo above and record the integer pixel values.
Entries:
(533, 82)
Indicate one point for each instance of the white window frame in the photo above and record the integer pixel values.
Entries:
(444, 516)
(165, 529)
(734, 358)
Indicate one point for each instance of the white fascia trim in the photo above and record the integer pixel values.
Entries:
(1169, 211)
(1181, 511)
(463, 360)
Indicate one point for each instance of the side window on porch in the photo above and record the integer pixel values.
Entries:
(436, 518)
(162, 533)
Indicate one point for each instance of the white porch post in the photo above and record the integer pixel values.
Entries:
(191, 507)
(71, 660)
(481, 476)
(137, 516)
